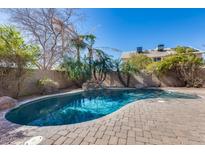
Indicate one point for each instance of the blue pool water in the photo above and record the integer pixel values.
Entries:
(80, 107)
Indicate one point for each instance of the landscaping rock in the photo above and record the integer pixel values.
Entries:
(7, 102)
(91, 85)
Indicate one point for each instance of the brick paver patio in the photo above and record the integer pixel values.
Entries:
(152, 121)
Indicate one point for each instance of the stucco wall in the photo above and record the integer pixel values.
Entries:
(149, 80)
(29, 85)
(139, 80)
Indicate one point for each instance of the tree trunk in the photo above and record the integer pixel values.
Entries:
(94, 73)
(19, 77)
(90, 60)
(128, 80)
(121, 78)
(78, 54)
(104, 77)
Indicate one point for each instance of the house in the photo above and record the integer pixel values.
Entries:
(155, 54)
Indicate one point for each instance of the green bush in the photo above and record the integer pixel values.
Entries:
(77, 71)
(15, 54)
(125, 69)
(184, 63)
(140, 61)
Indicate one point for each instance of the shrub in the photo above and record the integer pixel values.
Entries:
(47, 86)
(184, 63)
(136, 64)
(140, 61)
(77, 71)
(125, 70)
(15, 54)
(152, 67)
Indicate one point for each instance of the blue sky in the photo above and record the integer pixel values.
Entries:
(125, 29)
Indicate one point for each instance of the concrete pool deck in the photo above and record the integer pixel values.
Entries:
(151, 121)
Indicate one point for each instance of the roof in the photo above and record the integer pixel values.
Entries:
(153, 53)
(150, 53)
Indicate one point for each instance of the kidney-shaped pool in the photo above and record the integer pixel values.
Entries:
(83, 106)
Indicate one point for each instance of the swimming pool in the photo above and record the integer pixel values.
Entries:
(83, 106)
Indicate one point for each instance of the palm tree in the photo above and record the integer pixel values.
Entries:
(98, 65)
(90, 42)
(102, 64)
(79, 44)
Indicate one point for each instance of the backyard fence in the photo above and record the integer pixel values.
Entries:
(29, 85)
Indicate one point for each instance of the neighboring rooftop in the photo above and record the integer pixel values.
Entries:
(149, 53)
(156, 54)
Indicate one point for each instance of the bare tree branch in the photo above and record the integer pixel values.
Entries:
(52, 29)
